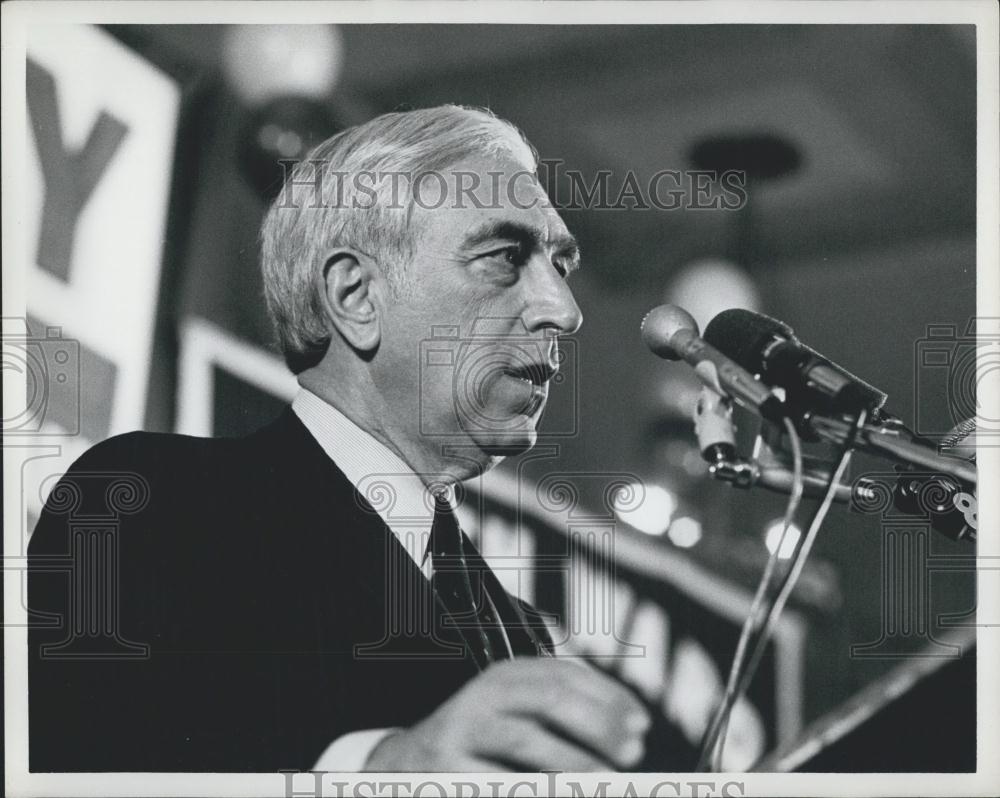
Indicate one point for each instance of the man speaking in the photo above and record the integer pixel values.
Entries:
(287, 618)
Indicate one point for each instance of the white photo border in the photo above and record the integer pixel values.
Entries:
(19, 16)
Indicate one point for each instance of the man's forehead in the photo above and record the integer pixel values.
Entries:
(495, 182)
(484, 194)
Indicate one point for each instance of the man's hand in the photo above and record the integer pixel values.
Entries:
(527, 715)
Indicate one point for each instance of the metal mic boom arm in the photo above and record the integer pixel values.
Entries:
(714, 428)
(778, 479)
(897, 445)
(951, 483)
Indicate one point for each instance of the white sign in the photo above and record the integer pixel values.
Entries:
(101, 130)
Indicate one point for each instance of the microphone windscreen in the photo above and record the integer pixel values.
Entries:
(742, 335)
(661, 324)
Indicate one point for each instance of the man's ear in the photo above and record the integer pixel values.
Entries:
(350, 298)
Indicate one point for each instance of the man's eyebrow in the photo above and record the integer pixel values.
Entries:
(504, 230)
(564, 245)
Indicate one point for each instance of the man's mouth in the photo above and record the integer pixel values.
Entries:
(534, 378)
(538, 374)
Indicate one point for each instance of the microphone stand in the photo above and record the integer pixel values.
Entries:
(889, 440)
(896, 443)
(769, 468)
(778, 479)
(955, 478)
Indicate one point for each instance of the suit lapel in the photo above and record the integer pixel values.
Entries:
(369, 589)
(385, 581)
(408, 596)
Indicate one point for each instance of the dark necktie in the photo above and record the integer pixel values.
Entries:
(462, 593)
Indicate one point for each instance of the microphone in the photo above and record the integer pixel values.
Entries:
(768, 347)
(671, 333)
(950, 504)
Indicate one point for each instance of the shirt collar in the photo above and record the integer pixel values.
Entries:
(392, 488)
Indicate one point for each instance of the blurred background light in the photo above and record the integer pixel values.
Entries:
(707, 286)
(262, 62)
(685, 532)
(653, 513)
(772, 536)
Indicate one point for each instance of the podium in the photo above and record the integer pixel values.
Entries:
(919, 718)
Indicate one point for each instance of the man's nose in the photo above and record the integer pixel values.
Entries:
(551, 304)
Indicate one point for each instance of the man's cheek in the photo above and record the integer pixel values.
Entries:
(487, 310)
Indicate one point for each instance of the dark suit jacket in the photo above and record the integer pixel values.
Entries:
(278, 610)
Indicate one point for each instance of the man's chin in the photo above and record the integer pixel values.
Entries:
(501, 444)
(509, 449)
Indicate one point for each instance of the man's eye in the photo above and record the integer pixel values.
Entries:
(514, 255)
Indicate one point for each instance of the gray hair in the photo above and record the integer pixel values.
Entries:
(296, 237)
